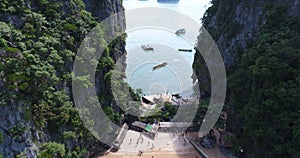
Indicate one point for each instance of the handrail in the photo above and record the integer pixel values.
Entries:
(197, 148)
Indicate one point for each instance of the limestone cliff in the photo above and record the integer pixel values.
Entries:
(259, 42)
(234, 25)
(106, 9)
(46, 35)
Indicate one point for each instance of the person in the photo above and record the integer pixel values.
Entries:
(130, 140)
(152, 146)
(140, 153)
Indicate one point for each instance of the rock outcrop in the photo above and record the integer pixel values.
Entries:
(107, 9)
(234, 25)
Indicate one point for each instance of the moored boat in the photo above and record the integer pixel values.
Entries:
(159, 66)
(147, 47)
(185, 50)
(180, 31)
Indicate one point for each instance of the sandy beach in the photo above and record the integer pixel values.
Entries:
(165, 145)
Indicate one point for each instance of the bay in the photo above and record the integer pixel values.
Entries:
(175, 77)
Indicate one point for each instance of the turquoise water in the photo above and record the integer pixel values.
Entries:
(176, 76)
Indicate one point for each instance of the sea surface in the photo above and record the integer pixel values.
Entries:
(175, 77)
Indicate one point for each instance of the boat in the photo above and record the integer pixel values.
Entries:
(159, 66)
(147, 47)
(185, 50)
(180, 31)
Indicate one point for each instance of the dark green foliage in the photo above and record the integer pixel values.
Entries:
(70, 27)
(17, 131)
(265, 90)
(1, 138)
(201, 111)
(12, 6)
(69, 135)
(36, 59)
(264, 82)
(230, 27)
(52, 149)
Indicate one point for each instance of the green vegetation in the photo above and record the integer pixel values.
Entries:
(69, 135)
(265, 90)
(37, 53)
(22, 155)
(52, 149)
(224, 19)
(12, 50)
(201, 111)
(264, 82)
(1, 138)
(17, 131)
(164, 112)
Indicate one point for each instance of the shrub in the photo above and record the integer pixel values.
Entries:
(70, 27)
(12, 50)
(69, 135)
(52, 149)
(1, 139)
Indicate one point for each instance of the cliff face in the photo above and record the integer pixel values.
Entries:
(259, 41)
(38, 42)
(106, 9)
(234, 25)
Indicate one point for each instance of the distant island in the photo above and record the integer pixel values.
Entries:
(167, 1)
